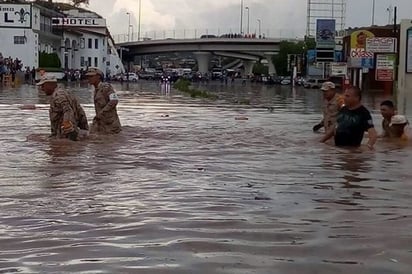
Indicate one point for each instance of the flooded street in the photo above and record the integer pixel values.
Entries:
(197, 186)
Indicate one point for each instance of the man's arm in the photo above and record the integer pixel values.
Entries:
(373, 137)
(328, 135)
(113, 100)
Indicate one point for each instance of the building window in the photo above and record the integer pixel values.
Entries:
(82, 43)
(82, 61)
(96, 43)
(90, 43)
(96, 62)
(19, 40)
(89, 61)
(104, 42)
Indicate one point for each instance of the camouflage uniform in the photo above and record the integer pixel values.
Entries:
(105, 102)
(64, 106)
(330, 111)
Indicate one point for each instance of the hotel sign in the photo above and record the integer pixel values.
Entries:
(79, 22)
(15, 16)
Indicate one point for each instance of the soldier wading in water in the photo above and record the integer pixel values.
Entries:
(106, 120)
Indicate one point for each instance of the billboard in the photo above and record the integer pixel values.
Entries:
(325, 33)
(359, 57)
(381, 44)
(409, 51)
(15, 16)
(338, 69)
(358, 39)
(385, 67)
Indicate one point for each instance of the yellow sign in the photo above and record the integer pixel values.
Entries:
(358, 39)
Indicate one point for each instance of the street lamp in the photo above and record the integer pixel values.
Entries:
(140, 15)
(131, 26)
(241, 16)
(248, 13)
(128, 28)
(260, 27)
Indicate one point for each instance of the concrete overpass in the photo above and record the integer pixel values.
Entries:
(247, 49)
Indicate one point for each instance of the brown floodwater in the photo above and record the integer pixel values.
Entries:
(197, 186)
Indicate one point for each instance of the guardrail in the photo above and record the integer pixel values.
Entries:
(208, 33)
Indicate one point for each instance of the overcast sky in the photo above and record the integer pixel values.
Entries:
(277, 16)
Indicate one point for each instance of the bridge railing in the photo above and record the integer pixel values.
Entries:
(208, 33)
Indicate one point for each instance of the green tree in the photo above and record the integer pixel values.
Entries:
(286, 48)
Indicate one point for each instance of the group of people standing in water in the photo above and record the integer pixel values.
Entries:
(67, 117)
(346, 119)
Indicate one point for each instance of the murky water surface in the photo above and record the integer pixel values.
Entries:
(190, 186)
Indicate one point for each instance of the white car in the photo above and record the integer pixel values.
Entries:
(132, 77)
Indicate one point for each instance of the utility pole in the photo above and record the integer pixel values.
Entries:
(373, 12)
(140, 16)
(241, 16)
(260, 27)
(128, 28)
(248, 14)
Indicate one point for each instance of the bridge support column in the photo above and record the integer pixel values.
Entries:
(203, 59)
(248, 64)
(269, 57)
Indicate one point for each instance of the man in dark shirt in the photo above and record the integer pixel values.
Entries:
(352, 122)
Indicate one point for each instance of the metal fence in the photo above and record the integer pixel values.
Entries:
(208, 33)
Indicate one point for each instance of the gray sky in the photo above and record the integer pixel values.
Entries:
(277, 16)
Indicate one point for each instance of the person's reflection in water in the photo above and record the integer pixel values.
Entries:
(356, 166)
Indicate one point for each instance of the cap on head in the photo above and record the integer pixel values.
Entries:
(47, 79)
(327, 86)
(92, 71)
(398, 120)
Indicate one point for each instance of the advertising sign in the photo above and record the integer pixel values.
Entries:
(385, 67)
(359, 58)
(338, 69)
(381, 44)
(15, 16)
(409, 52)
(325, 33)
(358, 39)
(79, 22)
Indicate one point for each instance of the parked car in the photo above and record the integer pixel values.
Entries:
(314, 83)
(286, 81)
(147, 74)
(131, 76)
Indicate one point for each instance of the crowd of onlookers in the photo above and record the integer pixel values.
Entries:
(9, 66)
(247, 35)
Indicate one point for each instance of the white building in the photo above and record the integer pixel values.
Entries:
(26, 29)
(86, 41)
(79, 37)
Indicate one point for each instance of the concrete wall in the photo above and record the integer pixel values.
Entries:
(404, 94)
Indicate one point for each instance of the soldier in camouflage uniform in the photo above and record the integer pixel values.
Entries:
(105, 102)
(67, 117)
(333, 102)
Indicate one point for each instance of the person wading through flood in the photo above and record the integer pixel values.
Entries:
(106, 120)
(387, 111)
(67, 117)
(352, 122)
(398, 128)
(333, 102)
